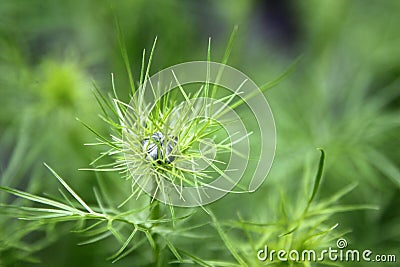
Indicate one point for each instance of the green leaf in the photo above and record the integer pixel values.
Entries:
(119, 252)
(125, 56)
(195, 259)
(130, 250)
(268, 85)
(72, 192)
(318, 176)
(230, 45)
(173, 250)
(102, 138)
(225, 239)
(96, 239)
(38, 199)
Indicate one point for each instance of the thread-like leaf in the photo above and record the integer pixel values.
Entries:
(72, 192)
(225, 239)
(318, 176)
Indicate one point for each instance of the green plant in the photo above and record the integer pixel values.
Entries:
(140, 221)
(147, 222)
(307, 223)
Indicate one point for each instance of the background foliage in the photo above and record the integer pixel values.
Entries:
(343, 96)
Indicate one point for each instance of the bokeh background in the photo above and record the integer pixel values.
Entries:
(344, 96)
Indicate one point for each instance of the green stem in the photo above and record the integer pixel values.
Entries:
(154, 215)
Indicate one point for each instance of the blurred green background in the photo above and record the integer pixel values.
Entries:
(343, 96)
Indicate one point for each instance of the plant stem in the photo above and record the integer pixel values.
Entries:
(155, 215)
